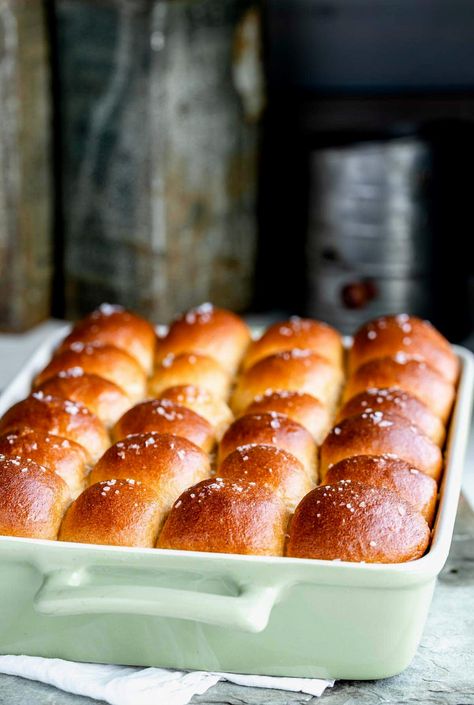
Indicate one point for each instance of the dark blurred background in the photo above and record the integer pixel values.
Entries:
(291, 156)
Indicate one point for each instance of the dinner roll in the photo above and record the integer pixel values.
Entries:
(413, 376)
(399, 402)
(378, 433)
(414, 486)
(350, 521)
(66, 458)
(296, 332)
(114, 513)
(268, 467)
(113, 325)
(387, 335)
(190, 368)
(164, 416)
(104, 398)
(103, 360)
(60, 417)
(293, 370)
(271, 429)
(222, 516)
(301, 407)
(209, 331)
(168, 464)
(200, 400)
(32, 499)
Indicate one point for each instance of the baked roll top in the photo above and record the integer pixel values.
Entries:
(296, 332)
(164, 416)
(271, 429)
(388, 335)
(350, 521)
(207, 330)
(222, 516)
(114, 325)
(32, 499)
(379, 433)
(59, 417)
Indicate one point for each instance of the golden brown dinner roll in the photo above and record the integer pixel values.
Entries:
(32, 499)
(271, 429)
(104, 398)
(60, 417)
(399, 402)
(293, 370)
(164, 416)
(168, 464)
(303, 333)
(190, 368)
(301, 407)
(103, 360)
(414, 486)
(200, 400)
(387, 335)
(222, 516)
(350, 521)
(413, 376)
(268, 467)
(114, 513)
(378, 433)
(66, 458)
(113, 325)
(209, 331)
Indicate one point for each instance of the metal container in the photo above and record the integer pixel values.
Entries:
(368, 224)
(248, 614)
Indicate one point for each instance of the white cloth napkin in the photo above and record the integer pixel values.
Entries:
(127, 685)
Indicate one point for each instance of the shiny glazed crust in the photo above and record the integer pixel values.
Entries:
(103, 360)
(303, 333)
(104, 398)
(222, 516)
(301, 370)
(32, 499)
(114, 513)
(420, 490)
(66, 458)
(60, 417)
(350, 521)
(388, 335)
(201, 401)
(399, 402)
(413, 376)
(271, 429)
(270, 467)
(302, 408)
(209, 331)
(190, 368)
(163, 416)
(113, 325)
(379, 433)
(167, 464)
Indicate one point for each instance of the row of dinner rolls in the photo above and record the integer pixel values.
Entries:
(159, 483)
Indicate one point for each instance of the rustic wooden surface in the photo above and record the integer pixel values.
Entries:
(25, 189)
(442, 672)
(160, 103)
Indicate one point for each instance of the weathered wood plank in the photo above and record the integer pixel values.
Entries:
(159, 151)
(25, 188)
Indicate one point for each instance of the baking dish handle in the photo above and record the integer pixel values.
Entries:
(71, 593)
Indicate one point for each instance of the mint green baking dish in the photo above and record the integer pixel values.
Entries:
(220, 612)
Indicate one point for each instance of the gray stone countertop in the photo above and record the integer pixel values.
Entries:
(442, 672)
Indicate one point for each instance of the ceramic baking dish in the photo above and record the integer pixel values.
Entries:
(248, 614)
